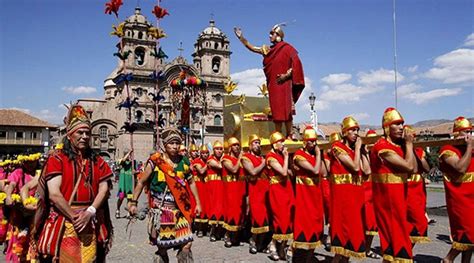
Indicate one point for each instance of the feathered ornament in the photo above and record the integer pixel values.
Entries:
(128, 103)
(159, 12)
(129, 127)
(158, 97)
(122, 78)
(113, 7)
(156, 32)
(124, 55)
(229, 86)
(157, 75)
(160, 54)
(118, 30)
(263, 89)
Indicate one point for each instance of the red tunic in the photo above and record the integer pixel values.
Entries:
(258, 196)
(416, 203)
(391, 213)
(58, 164)
(309, 219)
(370, 225)
(215, 189)
(202, 190)
(347, 201)
(234, 195)
(279, 60)
(281, 200)
(459, 190)
(326, 190)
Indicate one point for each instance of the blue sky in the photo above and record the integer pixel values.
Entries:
(54, 51)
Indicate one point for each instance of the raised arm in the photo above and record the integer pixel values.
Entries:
(403, 165)
(200, 169)
(232, 168)
(250, 169)
(460, 165)
(260, 50)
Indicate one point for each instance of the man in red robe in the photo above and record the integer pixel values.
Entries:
(284, 74)
(215, 189)
(199, 169)
(309, 219)
(457, 164)
(392, 159)
(258, 183)
(234, 192)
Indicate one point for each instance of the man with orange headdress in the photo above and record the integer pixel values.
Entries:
(254, 168)
(457, 164)
(309, 220)
(284, 74)
(215, 188)
(72, 219)
(392, 159)
(347, 194)
(281, 196)
(234, 192)
(199, 169)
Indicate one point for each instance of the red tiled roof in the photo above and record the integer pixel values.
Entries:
(11, 117)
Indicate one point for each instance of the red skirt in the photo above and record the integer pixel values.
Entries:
(370, 225)
(259, 204)
(416, 206)
(215, 190)
(282, 207)
(391, 216)
(347, 229)
(202, 192)
(235, 205)
(309, 219)
(460, 204)
(326, 192)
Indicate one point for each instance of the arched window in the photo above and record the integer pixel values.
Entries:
(139, 56)
(139, 116)
(103, 133)
(139, 91)
(217, 120)
(140, 35)
(216, 64)
(218, 97)
(216, 45)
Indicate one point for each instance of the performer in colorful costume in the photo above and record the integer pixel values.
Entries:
(171, 186)
(416, 197)
(309, 219)
(281, 196)
(457, 164)
(199, 169)
(392, 159)
(234, 192)
(284, 74)
(347, 194)
(126, 178)
(215, 188)
(19, 221)
(258, 184)
(368, 215)
(72, 218)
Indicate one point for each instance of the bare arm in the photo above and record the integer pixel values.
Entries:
(232, 168)
(250, 169)
(460, 165)
(200, 169)
(305, 165)
(8, 191)
(214, 164)
(282, 170)
(24, 191)
(55, 195)
(259, 50)
(365, 164)
(192, 186)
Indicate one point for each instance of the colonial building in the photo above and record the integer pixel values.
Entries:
(211, 59)
(21, 133)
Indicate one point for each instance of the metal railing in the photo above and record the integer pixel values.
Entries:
(21, 142)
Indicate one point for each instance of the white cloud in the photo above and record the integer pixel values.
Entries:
(80, 90)
(377, 77)
(360, 116)
(412, 69)
(456, 66)
(248, 81)
(335, 79)
(407, 89)
(424, 97)
(347, 92)
(469, 42)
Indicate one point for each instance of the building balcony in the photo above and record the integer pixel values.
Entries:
(28, 142)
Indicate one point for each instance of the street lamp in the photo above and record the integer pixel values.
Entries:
(314, 117)
(312, 99)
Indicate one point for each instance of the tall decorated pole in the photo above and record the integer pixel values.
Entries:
(157, 33)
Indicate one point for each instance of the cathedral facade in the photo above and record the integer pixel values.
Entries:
(203, 116)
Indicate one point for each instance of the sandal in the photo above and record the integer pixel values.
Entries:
(117, 214)
(372, 254)
(213, 238)
(253, 250)
(274, 256)
(227, 244)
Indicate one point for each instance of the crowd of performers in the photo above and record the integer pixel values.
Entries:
(357, 190)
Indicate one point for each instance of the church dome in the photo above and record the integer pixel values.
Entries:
(137, 17)
(212, 29)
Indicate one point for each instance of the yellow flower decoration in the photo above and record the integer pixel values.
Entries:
(16, 198)
(2, 198)
(30, 200)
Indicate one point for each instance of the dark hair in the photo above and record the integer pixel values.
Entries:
(67, 149)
